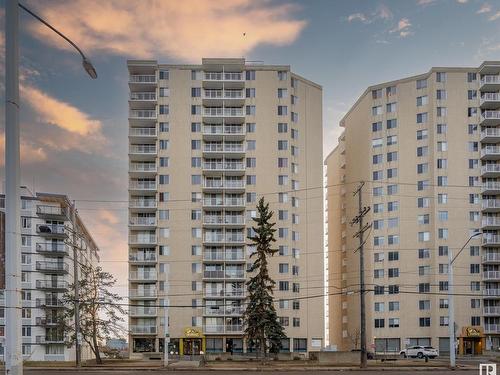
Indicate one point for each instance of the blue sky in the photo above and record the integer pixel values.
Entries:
(74, 129)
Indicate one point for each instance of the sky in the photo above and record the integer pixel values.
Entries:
(74, 129)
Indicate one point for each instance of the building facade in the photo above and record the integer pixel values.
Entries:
(426, 149)
(205, 143)
(47, 228)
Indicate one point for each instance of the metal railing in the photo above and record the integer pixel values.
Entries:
(490, 221)
(142, 203)
(142, 257)
(142, 114)
(140, 96)
(145, 293)
(490, 115)
(491, 257)
(492, 328)
(491, 185)
(214, 201)
(491, 292)
(142, 149)
(490, 168)
(142, 221)
(142, 239)
(490, 96)
(142, 167)
(142, 132)
(491, 275)
(223, 112)
(234, 201)
(142, 330)
(490, 79)
(142, 311)
(142, 78)
(50, 210)
(491, 310)
(144, 275)
(52, 247)
(50, 229)
(51, 266)
(222, 76)
(51, 284)
(142, 185)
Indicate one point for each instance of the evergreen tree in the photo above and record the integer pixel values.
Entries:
(262, 327)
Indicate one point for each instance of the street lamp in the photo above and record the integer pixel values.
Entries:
(13, 353)
(451, 307)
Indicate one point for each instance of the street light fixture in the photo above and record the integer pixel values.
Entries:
(451, 306)
(13, 353)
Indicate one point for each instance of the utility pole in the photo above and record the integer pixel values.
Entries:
(13, 353)
(362, 211)
(166, 340)
(78, 358)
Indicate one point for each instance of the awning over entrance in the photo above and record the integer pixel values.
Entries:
(471, 341)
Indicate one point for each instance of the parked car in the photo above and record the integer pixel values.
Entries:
(419, 351)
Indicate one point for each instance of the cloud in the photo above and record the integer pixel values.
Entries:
(30, 153)
(187, 30)
(109, 217)
(425, 2)
(381, 13)
(358, 16)
(462, 1)
(485, 8)
(495, 16)
(402, 28)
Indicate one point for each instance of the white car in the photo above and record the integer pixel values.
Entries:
(419, 351)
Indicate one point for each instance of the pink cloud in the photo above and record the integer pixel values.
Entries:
(188, 30)
(30, 153)
(402, 28)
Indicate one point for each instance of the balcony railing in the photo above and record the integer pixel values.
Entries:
(491, 185)
(51, 266)
(234, 328)
(491, 257)
(49, 303)
(226, 130)
(490, 168)
(234, 201)
(51, 284)
(144, 275)
(489, 239)
(142, 114)
(491, 310)
(142, 149)
(213, 238)
(235, 274)
(142, 132)
(212, 219)
(143, 96)
(223, 112)
(49, 229)
(146, 293)
(490, 79)
(142, 78)
(490, 132)
(142, 257)
(50, 210)
(142, 239)
(226, 166)
(491, 221)
(222, 94)
(233, 219)
(213, 201)
(217, 274)
(234, 238)
(142, 311)
(220, 76)
(142, 330)
(492, 328)
(490, 96)
(491, 115)
(58, 248)
(143, 203)
(490, 150)
(221, 255)
(142, 167)
(214, 255)
(142, 221)
(491, 275)
(491, 292)
(142, 185)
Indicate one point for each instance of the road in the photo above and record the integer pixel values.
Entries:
(187, 372)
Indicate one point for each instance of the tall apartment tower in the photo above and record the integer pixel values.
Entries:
(206, 142)
(427, 149)
(47, 228)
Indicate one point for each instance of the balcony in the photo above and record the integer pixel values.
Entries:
(213, 238)
(490, 135)
(142, 114)
(52, 285)
(146, 186)
(490, 153)
(217, 184)
(142, 239)
(217, 274)
(212, 220)
(52, 248)
(142, 258)
(47, 340)
(235, 114)
(142, 222)
(229, 329)
(142, 152)
(142, 134)
(220, 166)
(234, 220)
(235, 274)
(215, 97)
(491, 275)
(142, 100)
(234, 202)
(140, 82)
(491, 222)
(220, 255)
(143, 204)
(142, 169)
(235, 238)
(142, 276)
(229, 132)
(490, 100)
(138, 311)
(49, 303)
(490, 118)
(52, 267)
(491, 258)
(235, 293)
(491, 187)
(212, 202)
(55, 212)
(491, 293)
(51, 230)
(217, 255)
(491, 310)
(143, 293)
(491, 328)
(142, 330)
(490, 170)
(489, 83)
(491, 240)
(227, 77)
(47, 322)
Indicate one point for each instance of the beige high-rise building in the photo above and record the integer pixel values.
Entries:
(426, 148)
(205, 143)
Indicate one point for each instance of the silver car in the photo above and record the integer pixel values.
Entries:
(419, 351)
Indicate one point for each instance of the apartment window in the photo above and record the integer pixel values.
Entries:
(474, 251)
(195, 127)
(393, 322)
(282, 145)
(391, 90)
(284, 304)
(295, 270)
(250, 75)
(424, 322)
(422, 134)
(422, 168)
(471, 111)
(423, 202)
(475, 303)
(195, 92)
(296, 322)
(195, 144)
(164, 74)
(376, 94)
(442, 198)
(196, 162)
(377, 142)
(474, 268)
(379, 307)
(442, 163)
(392, 222)
(251, 162)
(164, 179)
(294, 116)
(282, 93)
(472, 129)
(393, 272)
(473, 163)
(471, 94)
(442, 251)
(441, 95)
(392, 123)
(377, 110)
(392, 156)
(421, 84)
(378, 257)
(378, 207)
(164, 109)
(424, 253)
(392, 140)
(471, 77)
(282, 75)
(378, 159)
(284, 321)
(283, 285)
(474, 199)
(442, 146)
(294, 133)
(195, 179)
(443, 303)
(392, 206)
(296, 287)
(441, 128)
(441, 111)
(422, 100)
(443, 233)
(443, 321)
(378, 274)
(196, 109)
(475, 320)
(475, 286)
(422, 151)
(377, 126)
(282, 127)
(390, 107)
(440, 77)
(378, 175)
(393, 289)
(422, 185)
(443, 269)
(442, 180)
(424, 270)
(251, 179)
(378, 289)
(283, 268)
(164, 92)
(294, 99)
(250, 110)
(422, 118)
(392, 172)
(378, 191)
(393, 306)
(443, 286)
(424, 236)
(196, 75)
(392, 239)
(251, 126)
(378, 240)
(392, 189)
(393, 256)
(164, 127)
(423, 219)
(424, 305)
(251, 145)
(250, 92)
(379, 323)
